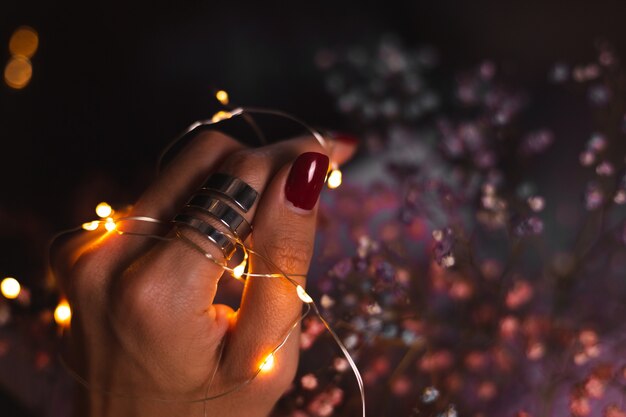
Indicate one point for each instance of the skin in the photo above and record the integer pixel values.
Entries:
(144, 323)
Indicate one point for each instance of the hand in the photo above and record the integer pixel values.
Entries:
(144, 326)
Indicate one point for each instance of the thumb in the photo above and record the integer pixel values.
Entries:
(284, 233)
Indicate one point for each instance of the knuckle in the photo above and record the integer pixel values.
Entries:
(250, 164)
(135, 297)
(291, 254)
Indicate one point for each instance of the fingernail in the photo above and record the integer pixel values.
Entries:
(306, 179)
(346, 138)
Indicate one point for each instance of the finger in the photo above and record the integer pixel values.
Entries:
(162, 198)
(191, 270)
(284, 234)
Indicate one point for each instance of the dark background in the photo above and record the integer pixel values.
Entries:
(113, 83)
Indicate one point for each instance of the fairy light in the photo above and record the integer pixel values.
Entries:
(239, 269)
(334, 179)
(109, 224)
(10, 288)
(104, 210)
(90, 226)
(221, 115)
(222, 97)
(303, 295)
(268, 363)
(63, 313)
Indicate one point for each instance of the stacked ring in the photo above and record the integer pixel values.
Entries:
(220, 239)
(233, 188)
(222, 212)
(208, 201)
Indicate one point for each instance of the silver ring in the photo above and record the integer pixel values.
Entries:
(222, 212)
(220, 239)
(234, 188)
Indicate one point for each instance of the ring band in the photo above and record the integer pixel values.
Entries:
(220, 239)
(222, 212)
(234, 188)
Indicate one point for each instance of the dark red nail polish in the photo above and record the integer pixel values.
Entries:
(306, 179)
(346, 138)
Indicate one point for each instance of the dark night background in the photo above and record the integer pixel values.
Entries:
(113, 83)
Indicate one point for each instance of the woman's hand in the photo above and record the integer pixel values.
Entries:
(145, 327)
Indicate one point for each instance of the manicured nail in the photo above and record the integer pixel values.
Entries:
(306, 179)
(346, 138)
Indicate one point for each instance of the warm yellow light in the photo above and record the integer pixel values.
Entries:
(63, 313)
(18, 72)
(303, 295)
(334, 178)
(110, 225)
(268, 363)
(91, 225)
(222, 97)
(103, 210)
(10, 288)
(24, 42)
(239, 269)
(221, 115)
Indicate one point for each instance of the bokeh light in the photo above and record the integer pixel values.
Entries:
(222, 97)
(110, 225)
(239, 269)
(268, 363)
(10, 288)
(90, 226)
(334, 178)
(63, 313)
(18, 72)
(24, 42)
(103, 210)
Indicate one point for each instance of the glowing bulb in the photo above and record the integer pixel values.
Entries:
(334, 178)
(63, 313)
(110, 225)
(103, 210)
(268, 363)
(239, 269)
(18, 72)
(221, 115)
(91, 225)
(24, 42)
(222, 97)
(10, 288)
(303, 295)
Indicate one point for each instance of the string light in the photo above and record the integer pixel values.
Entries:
(222, 97)
(221, 115)
(334, 178)
(303, 295)
(104, 210)
(268, 363)
(10, 288)
(90, 226)
(109, 224)
(239, 270)
(63, 313)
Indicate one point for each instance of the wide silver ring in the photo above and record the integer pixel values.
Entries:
(233, 188)
(218, 238)
(222, 212)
